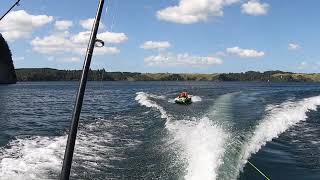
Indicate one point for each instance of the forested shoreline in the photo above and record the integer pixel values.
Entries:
(48, 74)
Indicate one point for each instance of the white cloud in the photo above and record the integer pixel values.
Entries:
(76, 44)
(20, 24)
(63, 25)
(21, 58)
(112, 37)
(193, 11)
(254, 7)
(69, 59)
(55, 43)
(107, 37)
(248, 53)
(88, 23)
(293, 46)
(160, 45)
(106, 50)
(170, 59)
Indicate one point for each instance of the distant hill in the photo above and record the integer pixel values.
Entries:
(48, 74)
(7, 73)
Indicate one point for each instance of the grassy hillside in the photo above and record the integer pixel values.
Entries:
(47, 74)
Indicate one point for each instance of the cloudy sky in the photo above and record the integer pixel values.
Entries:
(202, 36)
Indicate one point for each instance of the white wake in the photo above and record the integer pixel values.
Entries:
(32, 158)
(39, 157)
(202, 141)
(196, 99)
(280, 118)
(143, 99)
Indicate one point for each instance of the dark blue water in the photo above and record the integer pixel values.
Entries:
(133, 130)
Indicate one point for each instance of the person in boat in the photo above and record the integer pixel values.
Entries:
(183, 94)
(183, 98)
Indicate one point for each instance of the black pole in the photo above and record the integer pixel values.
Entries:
(67, 161)
(16, 3)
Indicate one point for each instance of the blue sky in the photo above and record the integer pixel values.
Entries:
(198, 36)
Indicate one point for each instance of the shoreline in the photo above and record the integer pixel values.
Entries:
(48, 74)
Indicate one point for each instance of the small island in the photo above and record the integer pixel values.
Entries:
(7, 72)
(48, 74)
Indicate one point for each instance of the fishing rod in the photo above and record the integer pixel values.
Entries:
(67, 161)
(15, 4)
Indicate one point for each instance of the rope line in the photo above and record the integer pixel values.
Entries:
(113, 16)
(258, 170)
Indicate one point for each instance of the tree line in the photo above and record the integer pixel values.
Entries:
(48, 74)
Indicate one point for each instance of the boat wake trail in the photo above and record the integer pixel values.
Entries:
(207, 147)
(201, 141)
(196, 99)
(40, 157)
(143, 99)
(211, 151)
(32, 158)
(279, 119)
(203, 147)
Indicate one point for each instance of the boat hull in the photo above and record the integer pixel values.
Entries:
(183, 101)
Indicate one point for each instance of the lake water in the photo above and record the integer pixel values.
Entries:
(133, 130)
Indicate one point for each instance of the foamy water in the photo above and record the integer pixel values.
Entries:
(143, 99)
(202, 141)
(32, 158)
(203, 146)
(279, 119)
(216, 144)
(196, 99)
(40, 157)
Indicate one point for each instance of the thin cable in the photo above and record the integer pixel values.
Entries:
(107, 10)
(111, 10)
(258, 170)
(113, 17)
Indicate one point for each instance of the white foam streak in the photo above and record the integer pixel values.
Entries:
(143, 99)
(203, 145)
(39, 157)
(32, 158)
(280, 119)
(196, 99)
(202, 142)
